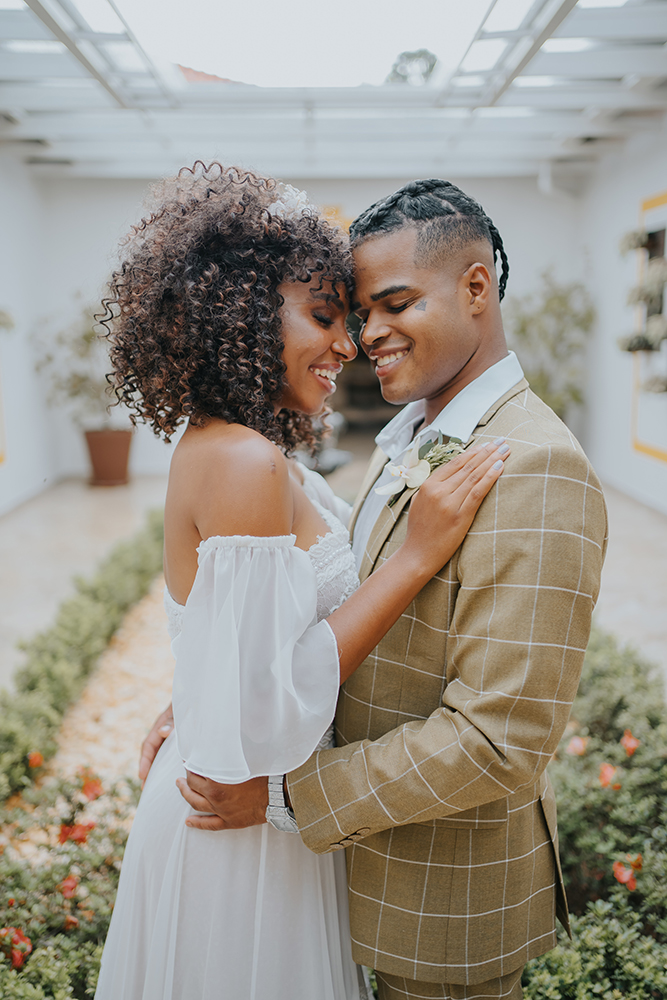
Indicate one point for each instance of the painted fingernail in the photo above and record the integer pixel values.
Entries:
(504, 448)
(499, 464)
(164, 729)
(499, 440)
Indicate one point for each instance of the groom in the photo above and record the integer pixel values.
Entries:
(437, 786)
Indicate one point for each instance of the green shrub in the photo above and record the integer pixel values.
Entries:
(609, 958)
(60, 659)
(62, 897)
(612, 811)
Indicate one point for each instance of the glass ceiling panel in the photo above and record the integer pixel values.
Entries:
(355, 43)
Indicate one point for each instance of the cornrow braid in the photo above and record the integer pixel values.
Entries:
(464, 219)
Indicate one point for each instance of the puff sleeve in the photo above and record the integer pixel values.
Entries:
(256, 677)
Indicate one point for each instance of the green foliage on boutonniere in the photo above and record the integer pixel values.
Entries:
(420, 463)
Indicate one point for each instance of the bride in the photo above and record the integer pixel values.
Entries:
(228, 311)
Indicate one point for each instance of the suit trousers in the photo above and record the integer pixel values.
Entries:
(397, 988)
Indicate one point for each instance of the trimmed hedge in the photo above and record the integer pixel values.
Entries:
(60, 659)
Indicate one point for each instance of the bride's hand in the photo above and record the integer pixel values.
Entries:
(162, 726)
(444, 507)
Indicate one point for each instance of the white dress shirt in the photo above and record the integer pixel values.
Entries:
(457, 419)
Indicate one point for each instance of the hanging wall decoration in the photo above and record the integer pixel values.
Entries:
(648, 341)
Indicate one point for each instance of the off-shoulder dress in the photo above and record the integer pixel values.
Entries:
(241, 914)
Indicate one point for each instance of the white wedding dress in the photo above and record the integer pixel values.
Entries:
(241, 914)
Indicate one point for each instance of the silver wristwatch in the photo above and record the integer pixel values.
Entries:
(277, 812)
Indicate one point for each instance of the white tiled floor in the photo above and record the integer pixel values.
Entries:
(66, 530)
(63, 532)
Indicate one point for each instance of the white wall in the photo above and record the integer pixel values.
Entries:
(84, 221)
(610, 209)
(59, 238)
(28, 465)
(538, 231)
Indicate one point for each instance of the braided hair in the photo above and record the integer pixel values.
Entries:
(444, 215)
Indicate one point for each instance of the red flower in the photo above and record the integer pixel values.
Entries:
(11, 901)
(68, 886)
(625, 876)
(577, 746)
(629, 742)
(637, 864)
(607, 773)
(35, 759)
(78, 833)
(15, 945)
(71, 922)
(91, 786)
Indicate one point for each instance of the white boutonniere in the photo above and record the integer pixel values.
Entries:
(420, 463)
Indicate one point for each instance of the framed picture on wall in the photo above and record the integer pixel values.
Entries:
(649, 408)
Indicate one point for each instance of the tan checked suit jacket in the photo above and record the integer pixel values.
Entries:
(437, 786)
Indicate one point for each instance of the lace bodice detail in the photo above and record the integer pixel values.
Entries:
(332, 560)
(334, 564)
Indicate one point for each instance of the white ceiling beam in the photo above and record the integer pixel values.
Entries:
(44, 97)
(39, 66)
(550, 17)
(170, 122)
(636, 21)
(375, 148)
(595, 95)
(23, 26)
(294, 167)
(608, 63)
(63, 35)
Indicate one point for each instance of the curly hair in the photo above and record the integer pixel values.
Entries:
(193, 312)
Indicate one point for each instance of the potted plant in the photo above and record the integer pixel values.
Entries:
(549, 334)
(76, 361)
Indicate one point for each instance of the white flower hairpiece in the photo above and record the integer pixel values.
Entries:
(290, 203)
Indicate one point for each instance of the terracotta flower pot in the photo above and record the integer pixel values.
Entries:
(109, 455)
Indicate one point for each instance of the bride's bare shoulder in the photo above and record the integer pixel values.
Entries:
(234, 480)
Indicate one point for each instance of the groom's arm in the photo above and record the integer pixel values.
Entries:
(529, 572)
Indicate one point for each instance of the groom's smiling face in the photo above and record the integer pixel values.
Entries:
(426, 324)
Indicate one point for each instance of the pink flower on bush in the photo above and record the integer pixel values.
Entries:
(35, 758)
(607, 775)
(68, 886)
(577, 746)
(15, 945)
(625, 875)
(91, 786)
(78, 833)
(629, 742)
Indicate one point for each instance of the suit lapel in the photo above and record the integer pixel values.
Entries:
(381, 531)
(389, 515)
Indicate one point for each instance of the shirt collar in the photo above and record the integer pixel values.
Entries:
(460, 416)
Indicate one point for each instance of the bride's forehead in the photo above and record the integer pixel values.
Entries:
(317, 290)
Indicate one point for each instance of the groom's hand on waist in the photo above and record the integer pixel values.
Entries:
(229, 807)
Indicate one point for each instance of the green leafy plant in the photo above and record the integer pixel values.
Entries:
(58, 884)
(610, 779)
(76, 361)
(549, 332)
(60, 659)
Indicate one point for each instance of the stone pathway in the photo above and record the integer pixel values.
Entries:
(104, 730)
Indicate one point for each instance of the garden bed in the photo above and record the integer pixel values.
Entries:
(63, 840)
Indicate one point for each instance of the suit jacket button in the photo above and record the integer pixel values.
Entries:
(365, 830)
